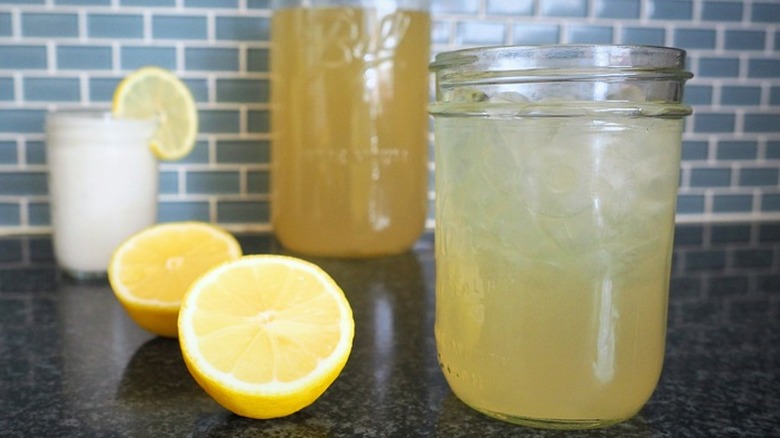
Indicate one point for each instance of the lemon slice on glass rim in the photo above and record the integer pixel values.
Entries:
(156, 93)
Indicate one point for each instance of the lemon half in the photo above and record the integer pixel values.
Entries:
(265, 335)
(152, 270)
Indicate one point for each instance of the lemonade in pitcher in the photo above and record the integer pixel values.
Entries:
(554, 231)
(350, 126)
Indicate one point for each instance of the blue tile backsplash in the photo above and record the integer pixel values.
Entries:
(50, 25)
(72, 54)
(115, 26)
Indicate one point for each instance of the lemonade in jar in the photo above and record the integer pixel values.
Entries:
(556, 180)
(349, 92)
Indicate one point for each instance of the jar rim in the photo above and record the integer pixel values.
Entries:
(564, 58)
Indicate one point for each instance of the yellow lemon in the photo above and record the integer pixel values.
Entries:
(265, 335)
(156, 93)
(151, 271)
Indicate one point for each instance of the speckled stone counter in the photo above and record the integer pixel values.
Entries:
(73, 364)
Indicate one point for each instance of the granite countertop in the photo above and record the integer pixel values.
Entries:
(73, 364)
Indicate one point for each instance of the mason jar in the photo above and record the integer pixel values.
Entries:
(349, 123)
(103, 184)
(556, 176)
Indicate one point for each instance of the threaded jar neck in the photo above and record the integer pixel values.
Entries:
(607, 77)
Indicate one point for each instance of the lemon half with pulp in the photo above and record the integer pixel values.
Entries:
(265, 335)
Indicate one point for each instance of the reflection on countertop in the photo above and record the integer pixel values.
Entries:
(73, 364)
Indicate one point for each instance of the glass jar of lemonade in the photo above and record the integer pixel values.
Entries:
(556, 180)
(349, 95)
